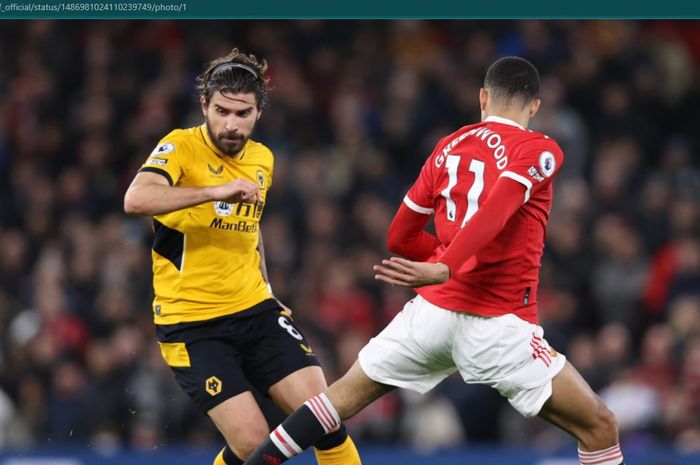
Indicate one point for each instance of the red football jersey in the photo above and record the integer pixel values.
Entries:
(455, 181)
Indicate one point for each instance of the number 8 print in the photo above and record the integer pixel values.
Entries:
(287, 325)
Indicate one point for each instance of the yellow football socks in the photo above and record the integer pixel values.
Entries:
(344, 454)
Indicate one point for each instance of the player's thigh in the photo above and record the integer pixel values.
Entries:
(241, 422)
(279, 361)
(414, 350)
(208, 367)
(575, 408)
(294, 389)
(510, 355)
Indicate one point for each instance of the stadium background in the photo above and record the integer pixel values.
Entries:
(356, 108)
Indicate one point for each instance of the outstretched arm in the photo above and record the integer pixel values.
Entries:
(503, 201)
(151, 194)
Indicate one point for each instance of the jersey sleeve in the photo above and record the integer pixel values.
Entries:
(420, 196)
(168, 159)
(535, 165)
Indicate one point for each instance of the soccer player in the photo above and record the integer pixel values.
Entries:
(489, 187)
(218, 324)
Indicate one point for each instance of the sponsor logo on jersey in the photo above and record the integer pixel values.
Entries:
(215, 171)
(157, 161)
(223, 208)
(163, 149)
(261, 179)
(246, 210)
(535, 174)
(241, 226)
(213, 385)
(547, 163)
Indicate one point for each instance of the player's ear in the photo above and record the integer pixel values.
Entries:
(534, 106)
(257, 118)
(483, 98)
(204, 103)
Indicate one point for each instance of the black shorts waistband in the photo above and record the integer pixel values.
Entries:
(163, 332)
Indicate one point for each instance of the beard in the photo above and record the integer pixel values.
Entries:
(229, 143)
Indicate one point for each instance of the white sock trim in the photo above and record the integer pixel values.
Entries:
(324, 412)
(276, 439)
(610, 456)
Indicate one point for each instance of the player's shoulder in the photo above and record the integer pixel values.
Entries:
(258, 151)
(532, 141)
(187, 134)
(177, 139)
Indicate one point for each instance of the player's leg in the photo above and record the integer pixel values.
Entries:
(304, 389)
(512, 356)
(575, 408)
(282, 364)
(243, 425)
(210, 371)
(397, 357)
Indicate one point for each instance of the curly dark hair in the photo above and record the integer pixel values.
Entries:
(236, 73)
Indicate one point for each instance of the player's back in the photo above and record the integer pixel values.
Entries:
(456, 180)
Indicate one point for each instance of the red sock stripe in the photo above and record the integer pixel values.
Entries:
(318, 413)
(281, 439)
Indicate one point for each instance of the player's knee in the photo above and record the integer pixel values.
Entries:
(607, 424)
(603, 432)
(246, 442)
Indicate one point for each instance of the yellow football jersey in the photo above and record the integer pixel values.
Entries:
(205, 258)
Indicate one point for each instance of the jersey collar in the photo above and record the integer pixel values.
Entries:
(498, 119)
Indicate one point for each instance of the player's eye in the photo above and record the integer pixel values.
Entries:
(221, 111)
(245, 113)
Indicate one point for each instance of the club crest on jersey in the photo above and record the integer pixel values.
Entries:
(223, 208)
(547, 163)
(163, 149)
(261, 179)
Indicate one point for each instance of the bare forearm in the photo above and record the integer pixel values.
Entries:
(261, 251)
(154, 199)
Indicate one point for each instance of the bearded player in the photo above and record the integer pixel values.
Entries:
(489, 187)
(218, 325)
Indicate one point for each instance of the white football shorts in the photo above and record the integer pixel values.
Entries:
(424, 344)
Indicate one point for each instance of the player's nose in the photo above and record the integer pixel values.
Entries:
(231, 124)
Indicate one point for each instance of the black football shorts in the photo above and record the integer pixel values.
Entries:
(217, 359)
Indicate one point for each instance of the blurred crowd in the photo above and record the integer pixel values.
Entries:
(356, 108)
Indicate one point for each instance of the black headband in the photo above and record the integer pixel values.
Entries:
(220, 67)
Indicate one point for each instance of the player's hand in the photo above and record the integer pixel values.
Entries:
(238, 190)
(286, 310)
(406, 273)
